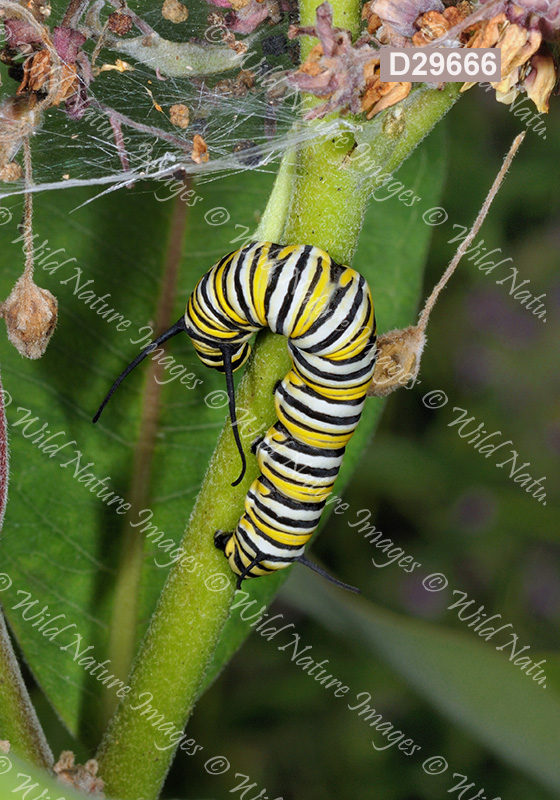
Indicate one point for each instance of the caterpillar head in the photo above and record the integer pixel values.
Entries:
(226, 358)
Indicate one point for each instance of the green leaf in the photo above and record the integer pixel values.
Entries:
(63, 546)
(466, 679)
(19, 778)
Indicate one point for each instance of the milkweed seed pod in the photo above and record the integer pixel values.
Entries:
(30, 314)
(398, 360)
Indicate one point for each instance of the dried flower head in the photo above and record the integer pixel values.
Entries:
(179, 115)
(378, 94)
(401, 15)
(82, 777)
(398, 360)
(334, 68)
(400, 351)
(30, 314)
(432, 24)
(174, 11)
(10, 173)
(541, 80)
(119, 23)
(38, 77)
(526, 64)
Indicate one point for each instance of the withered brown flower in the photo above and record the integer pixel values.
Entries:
(334, 68)
(30, 314)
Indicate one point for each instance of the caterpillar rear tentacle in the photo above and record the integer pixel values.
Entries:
(325, 311)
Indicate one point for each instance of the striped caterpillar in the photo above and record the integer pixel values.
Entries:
(326, 312)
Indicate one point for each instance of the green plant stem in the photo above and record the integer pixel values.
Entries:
(19, 723)
(329, 198)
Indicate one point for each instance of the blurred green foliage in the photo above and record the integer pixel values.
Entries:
(434, 496)
(438, 499)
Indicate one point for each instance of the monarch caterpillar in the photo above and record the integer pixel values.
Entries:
(326, 312)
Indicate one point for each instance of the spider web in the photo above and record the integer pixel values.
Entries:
(244, 126)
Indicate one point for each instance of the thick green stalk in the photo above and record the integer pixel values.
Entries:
(18, 720)
(328, 200)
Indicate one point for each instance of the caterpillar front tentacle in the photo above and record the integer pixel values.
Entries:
(325, 311)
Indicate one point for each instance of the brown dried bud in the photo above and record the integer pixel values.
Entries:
(402, 14)
(398, 360)
(200, 150)
(179, 115)
(30, 314)
(174, 11)
(119, 23)
(82, 777)
(11, 172)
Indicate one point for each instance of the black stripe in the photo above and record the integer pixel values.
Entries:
(215, 309)
(340, 329)
(309, 293)
(298, 424)
(248, 323)
(275, 494)
(273, 542)
(301, 469)
(336, 299)
(252, 271)
(240, 292)
(315, 395)
(292, 482)
(300, 266)
(271, 286)
(307, 449)
(302, 367)
(318, 416)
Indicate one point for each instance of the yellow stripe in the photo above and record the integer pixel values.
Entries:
(315, 438)
(261, 282)
(356, 346)
(315, 307)
(225, 306)
(299, 540)
(296, 492)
